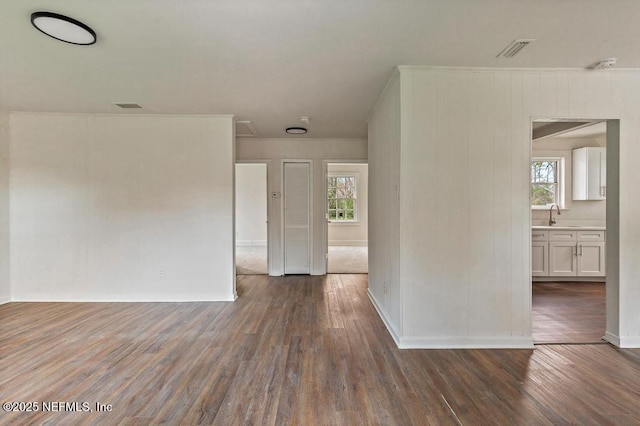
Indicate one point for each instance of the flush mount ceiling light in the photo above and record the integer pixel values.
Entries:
(63, 28)
(296, 130)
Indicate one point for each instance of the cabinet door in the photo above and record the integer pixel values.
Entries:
(596, 173)
(603, 173)
(589, 173)
(562, 259)
(591, 260)
(540, 259)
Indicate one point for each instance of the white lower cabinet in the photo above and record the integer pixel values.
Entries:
(540, 253)
(568, 253)
(562, 259)
(591, 259)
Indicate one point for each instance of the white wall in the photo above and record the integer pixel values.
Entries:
(122, 208)
(465, 253)
(317, 150)
(251, 204)
(385, 289)
(5, 286)
(577, 212)
(352, 234)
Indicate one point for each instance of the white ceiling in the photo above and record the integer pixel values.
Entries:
(271, 61)
(595, 130)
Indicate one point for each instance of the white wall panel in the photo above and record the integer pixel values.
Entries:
(465, 254)
(121, 207)
(577, 94)
(5, 285)
(384, 215)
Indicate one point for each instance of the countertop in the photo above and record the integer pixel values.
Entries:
(569, 228)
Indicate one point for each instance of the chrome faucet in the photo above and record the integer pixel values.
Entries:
(552, 220)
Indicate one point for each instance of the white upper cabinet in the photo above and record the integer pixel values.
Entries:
(590, 174)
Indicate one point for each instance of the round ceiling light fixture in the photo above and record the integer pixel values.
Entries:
(63, 28)
(296, 130)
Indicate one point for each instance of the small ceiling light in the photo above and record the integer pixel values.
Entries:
(63, 28)
(296, 130)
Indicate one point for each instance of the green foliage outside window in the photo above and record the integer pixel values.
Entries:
(341, 198)
(544, 183)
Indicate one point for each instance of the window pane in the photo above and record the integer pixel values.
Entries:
(543, 194)
(341, 196)
(544, 171)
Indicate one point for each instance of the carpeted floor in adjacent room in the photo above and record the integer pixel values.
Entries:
(252, 260)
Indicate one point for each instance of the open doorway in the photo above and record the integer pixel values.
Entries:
(347, 218)
(251, 219)
(568, 194)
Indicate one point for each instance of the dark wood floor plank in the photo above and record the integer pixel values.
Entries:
(296, 350)
(568, 312)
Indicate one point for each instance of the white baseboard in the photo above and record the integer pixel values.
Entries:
(612, 338)
(632, 342)
(4, 300)
(382, 316)
(466, 342)
(350, 243)
(456, 342)
(247, 243)
(43, 297)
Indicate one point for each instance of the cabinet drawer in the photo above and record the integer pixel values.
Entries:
(539, 235)
(591, 235)
(562, 235)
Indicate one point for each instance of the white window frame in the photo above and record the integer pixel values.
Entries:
(356, 204)
(560, 197)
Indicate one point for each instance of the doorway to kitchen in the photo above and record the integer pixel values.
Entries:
(346, 210)
(569, 207)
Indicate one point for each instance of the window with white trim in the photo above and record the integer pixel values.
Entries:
(342, 199)
(547, 182)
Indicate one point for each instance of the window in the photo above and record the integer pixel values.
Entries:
(546, 182)
(342, 203)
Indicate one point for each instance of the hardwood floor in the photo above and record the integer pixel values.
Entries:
(568, 312)
(294, 350)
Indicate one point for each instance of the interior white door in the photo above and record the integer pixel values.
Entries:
(297, 220)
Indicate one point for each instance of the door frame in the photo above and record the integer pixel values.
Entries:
(325, 233)
(267, 163)
(612, 279)
(283, 247)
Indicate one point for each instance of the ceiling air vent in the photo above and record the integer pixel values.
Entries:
(244, 129)
(127, 105)
(515, 47)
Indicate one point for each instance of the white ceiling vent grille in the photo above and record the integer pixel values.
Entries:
(244, 129)
(515, 47)
(127, 105)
